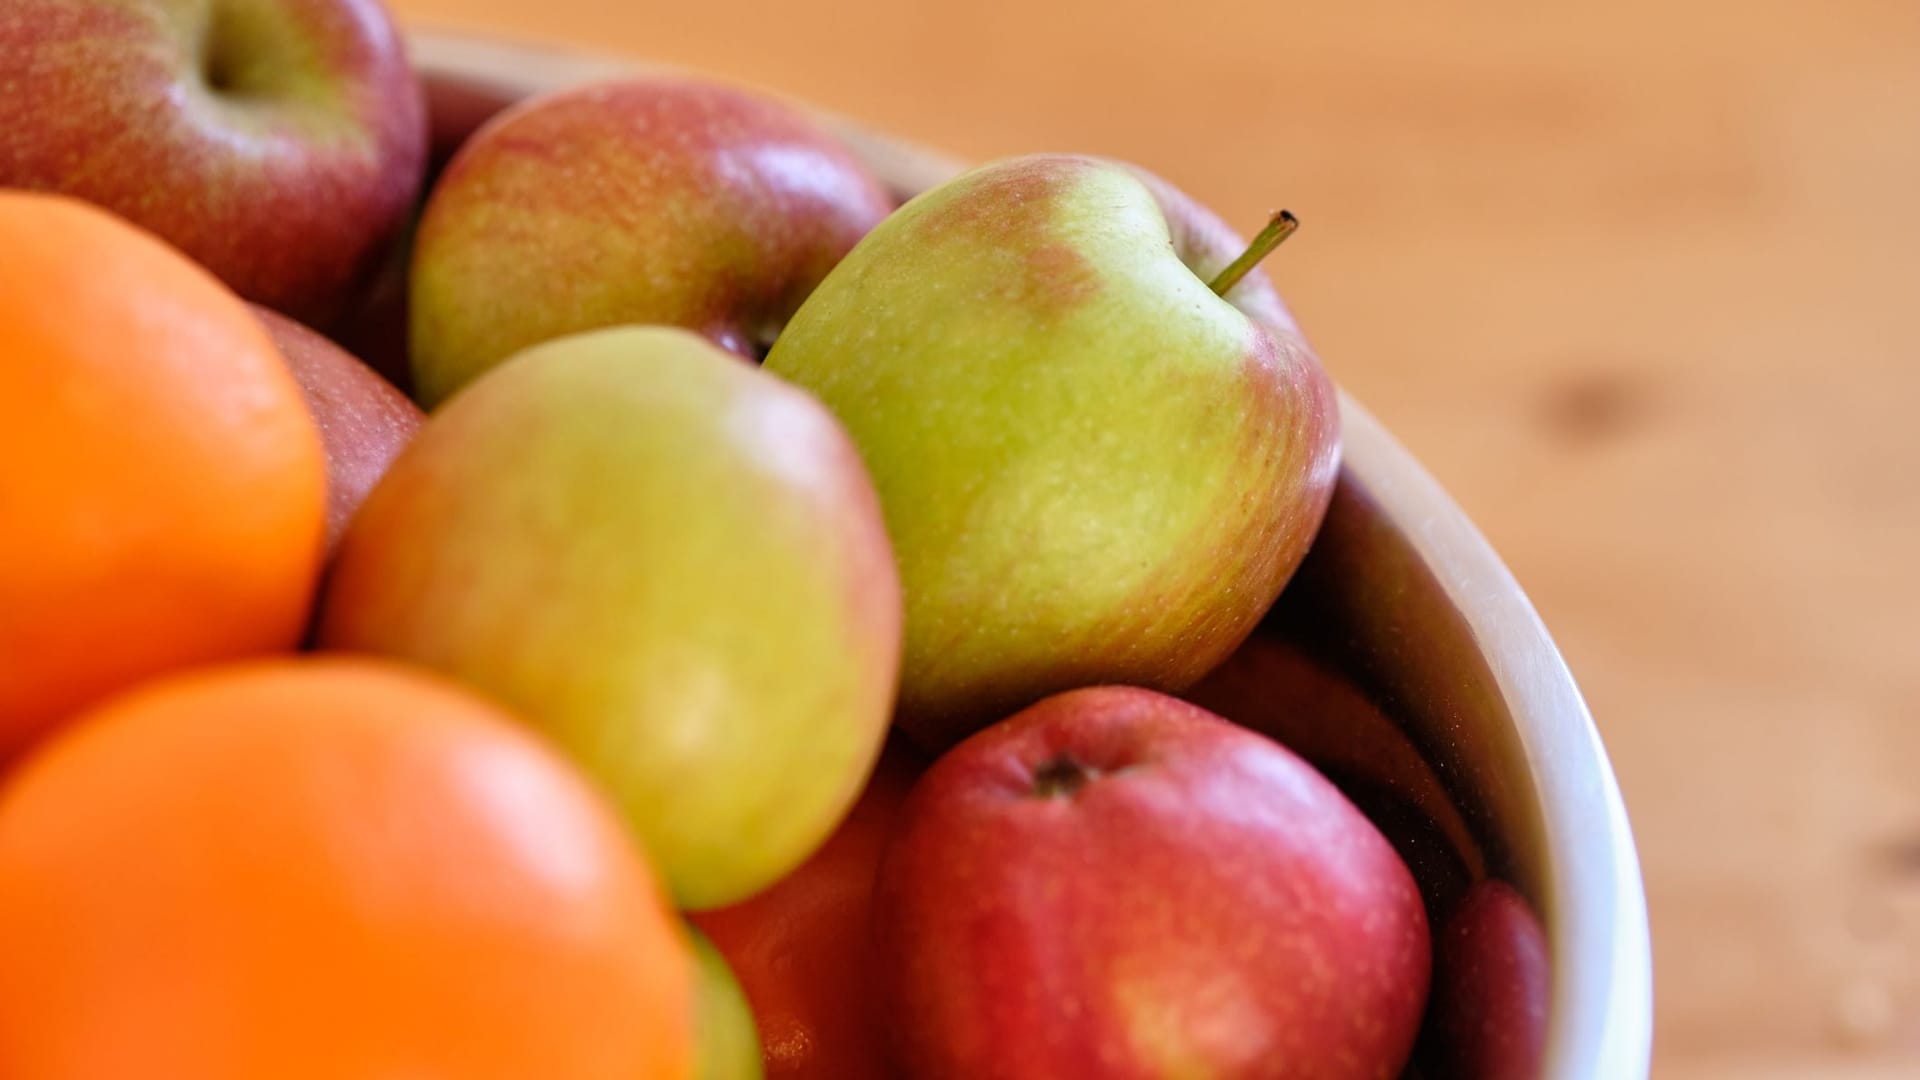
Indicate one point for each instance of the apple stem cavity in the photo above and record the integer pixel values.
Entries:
(217, 66)
(1279, 227)
(1060, 776)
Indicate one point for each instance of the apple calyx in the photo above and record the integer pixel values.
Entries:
(1061, 776)
(1280, 226)
(221, 70)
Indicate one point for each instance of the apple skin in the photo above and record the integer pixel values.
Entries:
(1302, 701)
(364, 422)
(1114, 883)
(375, 330)
(803, 948)
(727, 1042)
(279, 143)
(1492, 983)
(1094, 470)
(651, 200)
(670, 562)
(1206, 244)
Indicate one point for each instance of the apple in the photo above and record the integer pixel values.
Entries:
(1115, 883)
(1207, 245)
(279, 143)
(670, 562)
(1094, 468)
(1492, 983)
(376, 329)
(1291, 694)
(648, 200)
(726, 1040)
(803, 950)
(364, 422)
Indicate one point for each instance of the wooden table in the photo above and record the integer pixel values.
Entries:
(1639, 282)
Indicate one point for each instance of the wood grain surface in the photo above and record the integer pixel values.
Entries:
(1638, 281)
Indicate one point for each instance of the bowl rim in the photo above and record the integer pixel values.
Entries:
(1601, 1020)
(1601, 1017)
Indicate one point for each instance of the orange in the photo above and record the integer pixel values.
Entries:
(333, 868)
(162, 489)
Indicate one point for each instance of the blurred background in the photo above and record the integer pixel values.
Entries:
(1638, 282)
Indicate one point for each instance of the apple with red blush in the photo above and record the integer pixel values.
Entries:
(279, 143)
(1115, 883)
(655, 200)
(364, 421)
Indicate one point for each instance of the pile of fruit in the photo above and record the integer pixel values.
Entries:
(759, 655)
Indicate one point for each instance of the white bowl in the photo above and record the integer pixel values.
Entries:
(1407, 599)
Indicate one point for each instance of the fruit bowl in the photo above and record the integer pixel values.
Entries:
(1481, 750)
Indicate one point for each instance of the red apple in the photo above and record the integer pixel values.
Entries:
(1491, 986)
(1114, 883)
(802, 949)
(1281, 690)
(364, 422)
(277, 142)
(654, 200)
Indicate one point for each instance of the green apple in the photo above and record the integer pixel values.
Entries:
(280, 143)
(726, 1040)
(648, 200)
(669, 561)
(1094, 468)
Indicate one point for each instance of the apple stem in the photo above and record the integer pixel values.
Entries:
(1279, 227)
